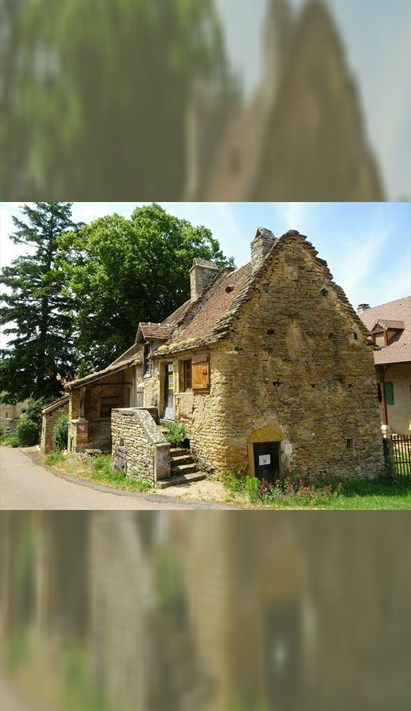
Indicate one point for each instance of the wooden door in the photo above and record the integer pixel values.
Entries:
(267, 460)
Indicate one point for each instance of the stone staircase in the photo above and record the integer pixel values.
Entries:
(184, 468)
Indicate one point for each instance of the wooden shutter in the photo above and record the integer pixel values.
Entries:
(389, 393)
(200, 372)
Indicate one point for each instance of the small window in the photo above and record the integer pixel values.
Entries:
(187, 375)
(389, 393)
(349, 444)
(146, 360)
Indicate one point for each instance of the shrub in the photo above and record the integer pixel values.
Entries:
(60, 432)
(175, 434)
(10, 440)
(54, 458)
(27, 431)
(102, 464)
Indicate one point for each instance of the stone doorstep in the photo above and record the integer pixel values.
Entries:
(184, 468)
(182, 459)
(179, 451)
(180, 479)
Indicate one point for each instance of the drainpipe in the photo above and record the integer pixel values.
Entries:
(383, 398)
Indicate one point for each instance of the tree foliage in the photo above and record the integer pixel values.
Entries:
(123, 271)
(109, 84)
(34, 309)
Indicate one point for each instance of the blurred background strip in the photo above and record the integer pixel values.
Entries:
(219, 100)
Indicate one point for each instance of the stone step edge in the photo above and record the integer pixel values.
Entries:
(181, 479)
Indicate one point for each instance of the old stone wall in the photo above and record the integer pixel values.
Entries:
(142, 447)
(298, 360)
(49, 420)
(297, 370)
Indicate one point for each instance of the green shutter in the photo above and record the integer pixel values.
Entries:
(389, 393)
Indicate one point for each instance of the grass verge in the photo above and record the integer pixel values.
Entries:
(388, 494)
(96, 469)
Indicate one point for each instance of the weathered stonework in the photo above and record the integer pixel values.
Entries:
(145, 452)
(49, 419)
(294, 368)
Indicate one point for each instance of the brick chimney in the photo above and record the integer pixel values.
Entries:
(260, 246)
(201, 273)
(362, 307)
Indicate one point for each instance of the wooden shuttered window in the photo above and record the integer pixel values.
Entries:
(200, 373)
(389, 393)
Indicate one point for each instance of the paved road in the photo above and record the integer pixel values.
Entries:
(26, 485)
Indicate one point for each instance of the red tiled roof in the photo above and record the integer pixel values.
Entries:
(387, 323)
(177, 315)
(398, 311)
(199, 325)
(154, 331)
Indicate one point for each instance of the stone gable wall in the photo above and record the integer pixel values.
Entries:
(136, 435)
(298, 360)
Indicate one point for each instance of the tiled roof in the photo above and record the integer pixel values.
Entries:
(398, 311)
(154, 331)
(177, 315)
(387, 323)
(202, 320)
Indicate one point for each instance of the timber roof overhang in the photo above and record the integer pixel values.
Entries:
(55, 405)
(131, 357)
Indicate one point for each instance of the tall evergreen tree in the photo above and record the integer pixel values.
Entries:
(34, 309)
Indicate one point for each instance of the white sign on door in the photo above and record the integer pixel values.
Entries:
(264, 459)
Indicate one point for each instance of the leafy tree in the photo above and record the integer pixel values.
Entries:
(38, 316)
(124, 271)
(109, 84)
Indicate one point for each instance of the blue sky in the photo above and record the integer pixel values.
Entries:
(376, 37)
(367, 245)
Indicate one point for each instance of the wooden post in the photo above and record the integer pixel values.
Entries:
(82, 398)
(383, 397)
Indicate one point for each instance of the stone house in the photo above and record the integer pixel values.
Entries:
(390, 328)
(266, 366)
(10, 413)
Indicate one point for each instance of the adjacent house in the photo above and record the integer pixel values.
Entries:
(267, 366)
(10, 413)
(390, 328)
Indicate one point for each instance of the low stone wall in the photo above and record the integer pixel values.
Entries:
(138, 446)
(49, 419)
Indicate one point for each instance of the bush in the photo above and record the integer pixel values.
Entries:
(10, 440)
(54, 458)
(175, 434)
(102, 464)
(60, 432)
(27, 431)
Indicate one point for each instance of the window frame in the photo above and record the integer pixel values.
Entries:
(187, 375)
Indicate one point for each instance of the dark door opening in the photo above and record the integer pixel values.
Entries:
(267, 460)
(169, 392)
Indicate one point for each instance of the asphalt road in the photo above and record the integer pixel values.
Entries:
(26, 485)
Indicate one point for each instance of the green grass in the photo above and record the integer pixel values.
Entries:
(97, 469)
(354, 495)
(10, 440)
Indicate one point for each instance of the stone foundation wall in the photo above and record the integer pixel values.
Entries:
(48, 422)
(144, 451)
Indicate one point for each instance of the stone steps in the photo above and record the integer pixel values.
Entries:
(174, 480)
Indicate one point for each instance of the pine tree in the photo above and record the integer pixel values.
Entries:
(34, 309)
